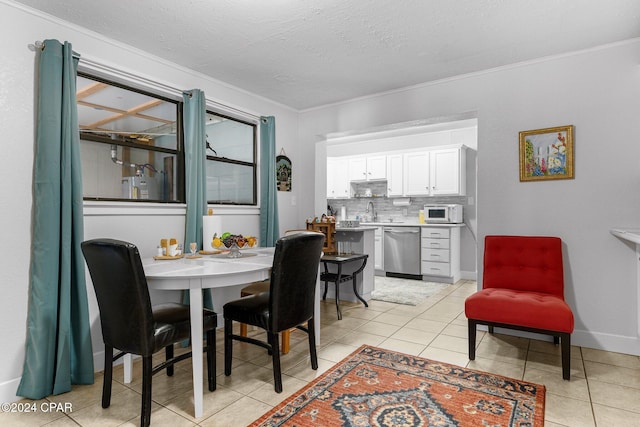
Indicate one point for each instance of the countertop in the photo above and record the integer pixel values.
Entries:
(361, 228)
(630, 234)
(374, 225)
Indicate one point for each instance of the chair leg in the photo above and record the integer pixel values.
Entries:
(228, 346)
(211, 359)
(565, 341)
(147, 369)
(243, 329)
(490, 329)
(472, 339)
(108, 376)
(312, 343)
(168, 351)
(324, 295)
(277, 373)
(286, 341)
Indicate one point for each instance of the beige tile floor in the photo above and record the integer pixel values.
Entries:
(604, 389)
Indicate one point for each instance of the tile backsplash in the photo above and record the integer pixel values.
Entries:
(356, 207)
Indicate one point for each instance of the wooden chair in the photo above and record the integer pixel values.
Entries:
(289, 303)
(523, 289)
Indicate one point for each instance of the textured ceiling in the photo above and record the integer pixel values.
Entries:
(310, 53)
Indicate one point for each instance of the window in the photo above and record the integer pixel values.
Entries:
(130, 143)
(231, 160)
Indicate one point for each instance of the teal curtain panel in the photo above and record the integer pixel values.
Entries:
(58, 342)
(195, 156)
(269, 228)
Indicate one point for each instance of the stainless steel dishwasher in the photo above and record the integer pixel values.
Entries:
(402, 251)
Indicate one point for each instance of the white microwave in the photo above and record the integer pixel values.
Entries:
(447, 214)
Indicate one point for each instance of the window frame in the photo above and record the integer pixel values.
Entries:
(254, 165)
(128, 143)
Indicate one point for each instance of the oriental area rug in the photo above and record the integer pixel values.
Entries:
(377, 387)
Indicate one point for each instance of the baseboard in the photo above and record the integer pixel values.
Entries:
(581, 338)
(8, 390)
(469, 275)
(607, 342)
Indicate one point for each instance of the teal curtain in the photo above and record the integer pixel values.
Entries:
(195, 156)
(58, 341)
(269, 232)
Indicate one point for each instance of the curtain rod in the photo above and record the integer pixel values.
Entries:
(39, 45)
(94, 65)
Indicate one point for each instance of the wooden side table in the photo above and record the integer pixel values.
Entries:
(337, 278)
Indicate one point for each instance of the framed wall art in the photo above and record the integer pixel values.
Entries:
(546, 154)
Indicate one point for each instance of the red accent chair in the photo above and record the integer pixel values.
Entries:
(523, 289)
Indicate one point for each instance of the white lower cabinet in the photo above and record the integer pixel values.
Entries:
(378, 248)
(440, 253)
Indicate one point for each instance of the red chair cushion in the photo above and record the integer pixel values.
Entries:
(520, 308)
(525, 263)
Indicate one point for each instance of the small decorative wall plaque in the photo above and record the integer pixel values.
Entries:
(283, 172)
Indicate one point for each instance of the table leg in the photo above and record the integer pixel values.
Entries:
(195, 301)
(316, 309)
(326, 285)
(338, 291)
(355, 291)
(128, 367)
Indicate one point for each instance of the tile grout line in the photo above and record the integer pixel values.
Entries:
(586, 378)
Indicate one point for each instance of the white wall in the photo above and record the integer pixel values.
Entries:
(597, 91)
(141, 225)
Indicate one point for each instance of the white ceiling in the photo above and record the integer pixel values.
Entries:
(309, 53)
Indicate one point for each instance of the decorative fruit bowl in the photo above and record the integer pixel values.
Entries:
(233, 242)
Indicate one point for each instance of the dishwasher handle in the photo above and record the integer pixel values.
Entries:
(401, 231)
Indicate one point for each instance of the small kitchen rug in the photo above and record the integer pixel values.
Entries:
(404, 291)
(377, 387)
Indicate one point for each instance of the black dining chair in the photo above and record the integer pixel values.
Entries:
(289, 303)
(132, 325)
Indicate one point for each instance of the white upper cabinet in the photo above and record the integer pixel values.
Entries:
(376, 168)
(440, 171)
(446, 172)
(338, 186)
(394, 175)
(416, 173)
(367, 168)
(357, 169)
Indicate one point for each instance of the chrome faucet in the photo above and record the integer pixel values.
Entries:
(374, 216)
